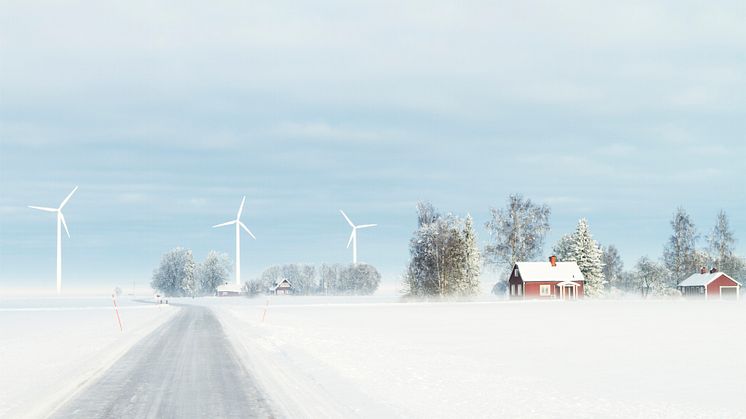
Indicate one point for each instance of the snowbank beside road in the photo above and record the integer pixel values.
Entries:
(50, 347)
(502, 359)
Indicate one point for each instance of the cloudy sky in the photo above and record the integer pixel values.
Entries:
(167, 114)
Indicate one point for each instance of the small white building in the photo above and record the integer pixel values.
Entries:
(228, 290)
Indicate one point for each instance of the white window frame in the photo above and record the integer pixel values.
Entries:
(545, 290)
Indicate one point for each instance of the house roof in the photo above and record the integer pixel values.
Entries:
(700, 280)
(544, 271)
(277, 285)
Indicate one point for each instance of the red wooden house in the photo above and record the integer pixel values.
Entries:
(546, 280)
(710, 285)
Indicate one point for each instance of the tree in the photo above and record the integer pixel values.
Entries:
(517, 233)
(358, 279)
(613, 267)
(563, 249)
(650, 277)
(721, 243)
(174, 276)
(586, 252)
(213, 272)
(444, 255)
(680, 254)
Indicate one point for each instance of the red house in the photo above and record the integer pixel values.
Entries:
(710, 285)
(546, 280)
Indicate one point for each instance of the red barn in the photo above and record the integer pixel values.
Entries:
(546, 280)
(710, 285)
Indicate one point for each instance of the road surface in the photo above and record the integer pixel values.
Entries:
(184, 369)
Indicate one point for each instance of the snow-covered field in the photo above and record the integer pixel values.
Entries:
(376, 357)
(50, 347)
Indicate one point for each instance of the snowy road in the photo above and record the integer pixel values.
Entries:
(184, 369)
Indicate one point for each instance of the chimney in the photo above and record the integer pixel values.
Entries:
(703, 270)
(713, 270)
(553, 260)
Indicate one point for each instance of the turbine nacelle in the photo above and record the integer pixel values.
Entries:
(353, 235)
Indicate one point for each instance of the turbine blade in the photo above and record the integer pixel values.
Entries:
(68, 198)
(240, 209)
(351, 237)
(347, 218)
(367, 225)
(44, 208)
(227, 223)
(247, 230)
(64, 224)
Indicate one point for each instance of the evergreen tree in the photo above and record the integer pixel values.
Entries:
(588, 255)
(680, 254)
(563, 249)
(721, 243)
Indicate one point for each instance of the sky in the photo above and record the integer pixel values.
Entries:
(166, 113)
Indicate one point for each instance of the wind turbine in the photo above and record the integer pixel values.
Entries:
(239, 226)
(60, 223)
(353, 236)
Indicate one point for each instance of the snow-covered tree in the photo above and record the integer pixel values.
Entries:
(680, 254)
(213, 272)
(650, 277)
(358, 279)
(517, 233)
(721, 244)
(613, 267)
(444, 256)
(580, 247)
(563, 249)
(589, 256)
(175, 274)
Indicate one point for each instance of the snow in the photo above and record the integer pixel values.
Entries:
(50, 347)
(544, 271)
(378, 357)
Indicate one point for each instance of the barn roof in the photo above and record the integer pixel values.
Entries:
(280, 282)
(699, 280)
(544, 271)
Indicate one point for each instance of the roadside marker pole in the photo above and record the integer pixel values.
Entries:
(116, 308)
(265, 310)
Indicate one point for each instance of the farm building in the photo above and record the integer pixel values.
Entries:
(282, 287)
(228, 290)
(546, 280)
(710, 285)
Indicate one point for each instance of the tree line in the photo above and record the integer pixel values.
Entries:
(445, 259)
(178, 275)
(336, 279)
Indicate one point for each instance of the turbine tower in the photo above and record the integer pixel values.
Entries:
(353, 236)
(239, 226)
(60, 223)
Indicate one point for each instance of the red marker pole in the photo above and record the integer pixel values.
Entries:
(119, 319)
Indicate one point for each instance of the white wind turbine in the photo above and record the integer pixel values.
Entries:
(60, 223)
(239, 226)
(353, 236)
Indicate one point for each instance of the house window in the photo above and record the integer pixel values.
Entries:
(515, 273)
(545, 290)
(520, 289)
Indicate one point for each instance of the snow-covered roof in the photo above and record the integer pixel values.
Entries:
(229, 288)
(280, 282)
(700, 280)
(544, 271)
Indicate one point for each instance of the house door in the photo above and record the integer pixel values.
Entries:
(569, 293)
